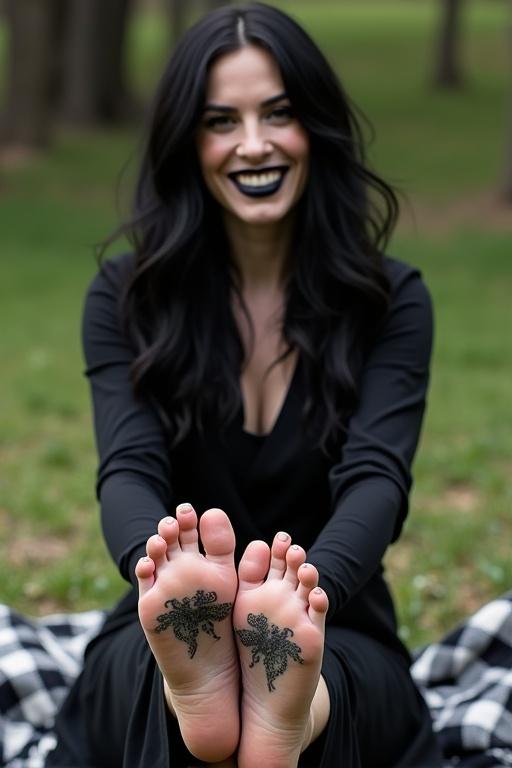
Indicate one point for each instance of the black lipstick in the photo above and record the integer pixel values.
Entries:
(259, 191)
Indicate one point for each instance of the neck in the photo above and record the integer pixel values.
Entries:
(261, 252)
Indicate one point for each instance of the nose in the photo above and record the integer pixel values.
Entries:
(254, 144)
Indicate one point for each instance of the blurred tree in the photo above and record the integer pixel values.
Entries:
(177, 18)
(507, 171)
(26, 120)
(93, 85)
(447, 70)
(178, 13)
(66, 58)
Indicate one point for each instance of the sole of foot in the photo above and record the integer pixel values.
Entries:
(279, 620)
(185, 608)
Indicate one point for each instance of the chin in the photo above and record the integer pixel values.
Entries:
(268, 213)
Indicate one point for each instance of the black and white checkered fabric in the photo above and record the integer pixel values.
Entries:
(466, 680)
(39, 659)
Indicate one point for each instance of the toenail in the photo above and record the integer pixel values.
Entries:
(169, 520)
(295, 546)
(282, 536)
(146, 559)
(318, 591)
(185, 507)
(305, 565)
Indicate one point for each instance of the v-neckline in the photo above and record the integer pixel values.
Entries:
(280, 413)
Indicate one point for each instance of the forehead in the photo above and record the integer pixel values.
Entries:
(247, 74)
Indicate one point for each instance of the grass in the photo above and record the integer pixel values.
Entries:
(455, 554)
(444, 149)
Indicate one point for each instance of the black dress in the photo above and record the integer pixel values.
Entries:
(345, 512)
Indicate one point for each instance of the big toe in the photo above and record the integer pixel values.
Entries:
(217, 535)
(254, 565)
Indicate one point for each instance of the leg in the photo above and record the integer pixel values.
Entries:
(185, 604)
(377, 718)
(279, 620)
(319, 714)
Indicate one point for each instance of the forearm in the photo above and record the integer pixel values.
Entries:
(130, 511)
(350, 547)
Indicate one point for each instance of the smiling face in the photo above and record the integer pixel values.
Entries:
(252, 151)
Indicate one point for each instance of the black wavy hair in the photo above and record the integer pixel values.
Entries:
(176, 307)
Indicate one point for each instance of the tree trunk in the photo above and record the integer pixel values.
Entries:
(26, 121)
(115, 102)
(211, 5)
(447, 72)
(177, 10)
(507, 169)
(94, 83)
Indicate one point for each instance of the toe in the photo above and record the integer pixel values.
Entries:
(144, 571)
(217, 536)
(187, 521)
(295, 557)
(156, 549)
(169, 530)
(308, 580)
(318, 605)
(253, 566)
(280, 546)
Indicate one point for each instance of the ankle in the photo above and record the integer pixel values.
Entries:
(319, 712)
(309, 731)
(167, 697)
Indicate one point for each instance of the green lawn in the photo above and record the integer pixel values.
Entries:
(444, 150)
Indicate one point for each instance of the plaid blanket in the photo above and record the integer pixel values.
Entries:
(39, 659)
(466, 680)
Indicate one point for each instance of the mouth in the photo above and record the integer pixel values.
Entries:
(259, 183)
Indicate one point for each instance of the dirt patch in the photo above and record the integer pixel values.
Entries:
(484, 211)
(458, 497)
(399, 559)
(16, 157)
(472, 593)
(37, 550)
(45, 606)
(461, 498)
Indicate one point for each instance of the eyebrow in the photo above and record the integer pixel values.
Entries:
(225, 109)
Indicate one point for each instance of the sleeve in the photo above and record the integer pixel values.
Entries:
(371, 483)
(133, 482)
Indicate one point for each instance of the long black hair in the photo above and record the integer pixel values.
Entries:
(176, 307)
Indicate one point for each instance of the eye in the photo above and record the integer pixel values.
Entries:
(219, 123)
(280, 115)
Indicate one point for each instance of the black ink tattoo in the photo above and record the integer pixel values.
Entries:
(272, 643)
(192, 614)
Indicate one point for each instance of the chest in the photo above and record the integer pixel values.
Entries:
(264, 383)
(264, 388)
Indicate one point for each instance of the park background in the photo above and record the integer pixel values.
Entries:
(445, 147)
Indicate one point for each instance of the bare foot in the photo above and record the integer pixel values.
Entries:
(185, 605)
(279, 620)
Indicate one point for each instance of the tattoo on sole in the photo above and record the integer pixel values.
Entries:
(271, 643)
(192, 614)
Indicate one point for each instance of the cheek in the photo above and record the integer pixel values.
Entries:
(212, 152)
(297, 143)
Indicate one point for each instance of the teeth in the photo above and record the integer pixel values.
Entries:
(259, 179)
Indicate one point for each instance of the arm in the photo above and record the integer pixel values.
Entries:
(133, 484)
(371, 483)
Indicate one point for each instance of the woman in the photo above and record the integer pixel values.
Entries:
(258, 355)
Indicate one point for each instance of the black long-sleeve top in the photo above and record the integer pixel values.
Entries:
(344, 511)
